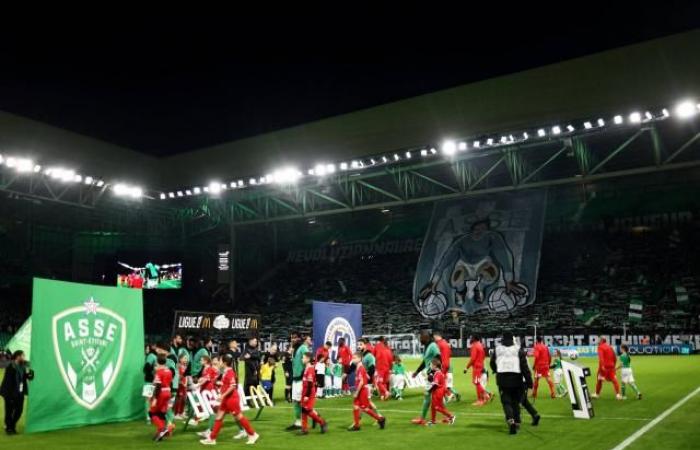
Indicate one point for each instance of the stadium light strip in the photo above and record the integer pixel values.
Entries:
(451, 148)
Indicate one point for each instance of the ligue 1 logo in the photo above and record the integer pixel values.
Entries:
(340, 328)
(89, 343)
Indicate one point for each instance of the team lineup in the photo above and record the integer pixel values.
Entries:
(172, 370)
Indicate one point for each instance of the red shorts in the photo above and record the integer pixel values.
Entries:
(309, 403)
(607, 374)
(476, 378)
(542, 371)
(362, 399)
(437, 398)
(231, 404)
(161, 403)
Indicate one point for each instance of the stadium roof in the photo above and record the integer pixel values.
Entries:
(653, 73)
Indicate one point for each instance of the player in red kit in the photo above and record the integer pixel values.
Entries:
(308, 397)
(384, 360)
(345, 358)
(161, 397)
(361, 403)
(477, 355)
(543, 359)
(445, 357)
(606, 368)
(230, 403)
(438, 390)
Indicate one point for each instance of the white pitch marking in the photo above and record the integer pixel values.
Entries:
(636, 435)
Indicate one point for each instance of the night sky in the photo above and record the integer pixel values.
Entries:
(164, 85)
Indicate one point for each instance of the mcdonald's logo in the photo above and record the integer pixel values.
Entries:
(259, 397)
(206, 322)
(254, 324)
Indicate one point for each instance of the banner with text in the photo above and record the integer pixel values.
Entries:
(87, 355)
(481, 254)
(213, 323)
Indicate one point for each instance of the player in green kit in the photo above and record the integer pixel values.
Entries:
(337, 370)
(398, 378)
(558, 373)
(297, 379)
(149, 370)
(431, 352)
(627, 377)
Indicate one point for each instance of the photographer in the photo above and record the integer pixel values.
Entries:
(13, 389)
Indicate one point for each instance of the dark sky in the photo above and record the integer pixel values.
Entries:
(163, 85)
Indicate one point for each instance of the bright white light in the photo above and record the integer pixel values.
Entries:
(330, 168)
(188, 192)
(355, 164)
(396, 157)
(264, 180)
(449, 148)
(462, 146)
(100, 183)
(240, 183)
(526, 136)
(570, 128)
(253, 181)
(635, 117)
(424, 152)
(2, 160)
(89, 180)
(162, 196)
(617, 119)
(233, 185)
(489, 141)
(11, 162)
(171, 194)
(206, 188)
(78, 178)
(432, 150)
(408, 155)
(541, 132)
(37, 168)
(372, 161)
(665, 112)
(648, 115)
(477, 144)
(685, 109)
(136, 192)
(343, 166)
(587, 125)
(180, 194)
(197, 190)
(214, 187)
(601, 122)
(384, 159)
(289, 175)
(120, 189)
(504, 139)
(319, 170)
(556, 129)
(223, 186)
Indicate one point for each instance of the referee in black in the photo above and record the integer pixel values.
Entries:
(513, 377)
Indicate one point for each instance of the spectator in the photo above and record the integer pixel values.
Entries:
(13, 389)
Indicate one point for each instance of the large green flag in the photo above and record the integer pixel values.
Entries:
(87, 355)
(22, 340)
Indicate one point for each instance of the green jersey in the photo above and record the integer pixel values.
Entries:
(151, 359)
(182, 351)
(297, 364)
(337, 370)
(170, 364)
(398, 369)
(557, 363)
(368, 360)
(626, 360)
(431, 352)
(197, 360)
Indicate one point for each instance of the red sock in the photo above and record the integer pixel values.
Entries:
(316, 418)
(598, 387)
(551, 386)
(616, 385)
(372, 414)
(479, 392)
(432, 412)
(356, 417)
(304, 421)
(158, 422)
(246, 425)
(535, 386)
(215, 430)
(442, 410)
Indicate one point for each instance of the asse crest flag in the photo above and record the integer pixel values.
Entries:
(87, 356)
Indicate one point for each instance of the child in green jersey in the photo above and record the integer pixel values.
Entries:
(627, 377)
(398, 378)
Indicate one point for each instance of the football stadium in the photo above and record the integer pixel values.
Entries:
(507, 263)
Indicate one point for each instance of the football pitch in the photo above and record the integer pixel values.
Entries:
(661, 420)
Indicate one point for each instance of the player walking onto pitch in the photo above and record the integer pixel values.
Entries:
(297, 375)
(477, 355)
(431, 352)
(230, 403)
(361, 403)
(542, 361)
(558, 374)
(438, 389)
(626, 371)
(446, 367)
(308, 398)
(606, 368)
(161, 397)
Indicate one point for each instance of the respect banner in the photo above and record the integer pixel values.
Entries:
(87, 355)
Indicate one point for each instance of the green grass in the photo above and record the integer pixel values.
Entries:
(663, 380)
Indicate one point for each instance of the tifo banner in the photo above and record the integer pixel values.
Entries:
(22, 340)
(246, 325)
(87, 356)
(333, 321)
(481, 254)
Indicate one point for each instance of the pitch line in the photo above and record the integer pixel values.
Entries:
(639, 433)
(475, 414)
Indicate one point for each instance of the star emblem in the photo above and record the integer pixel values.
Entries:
(91, 306)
